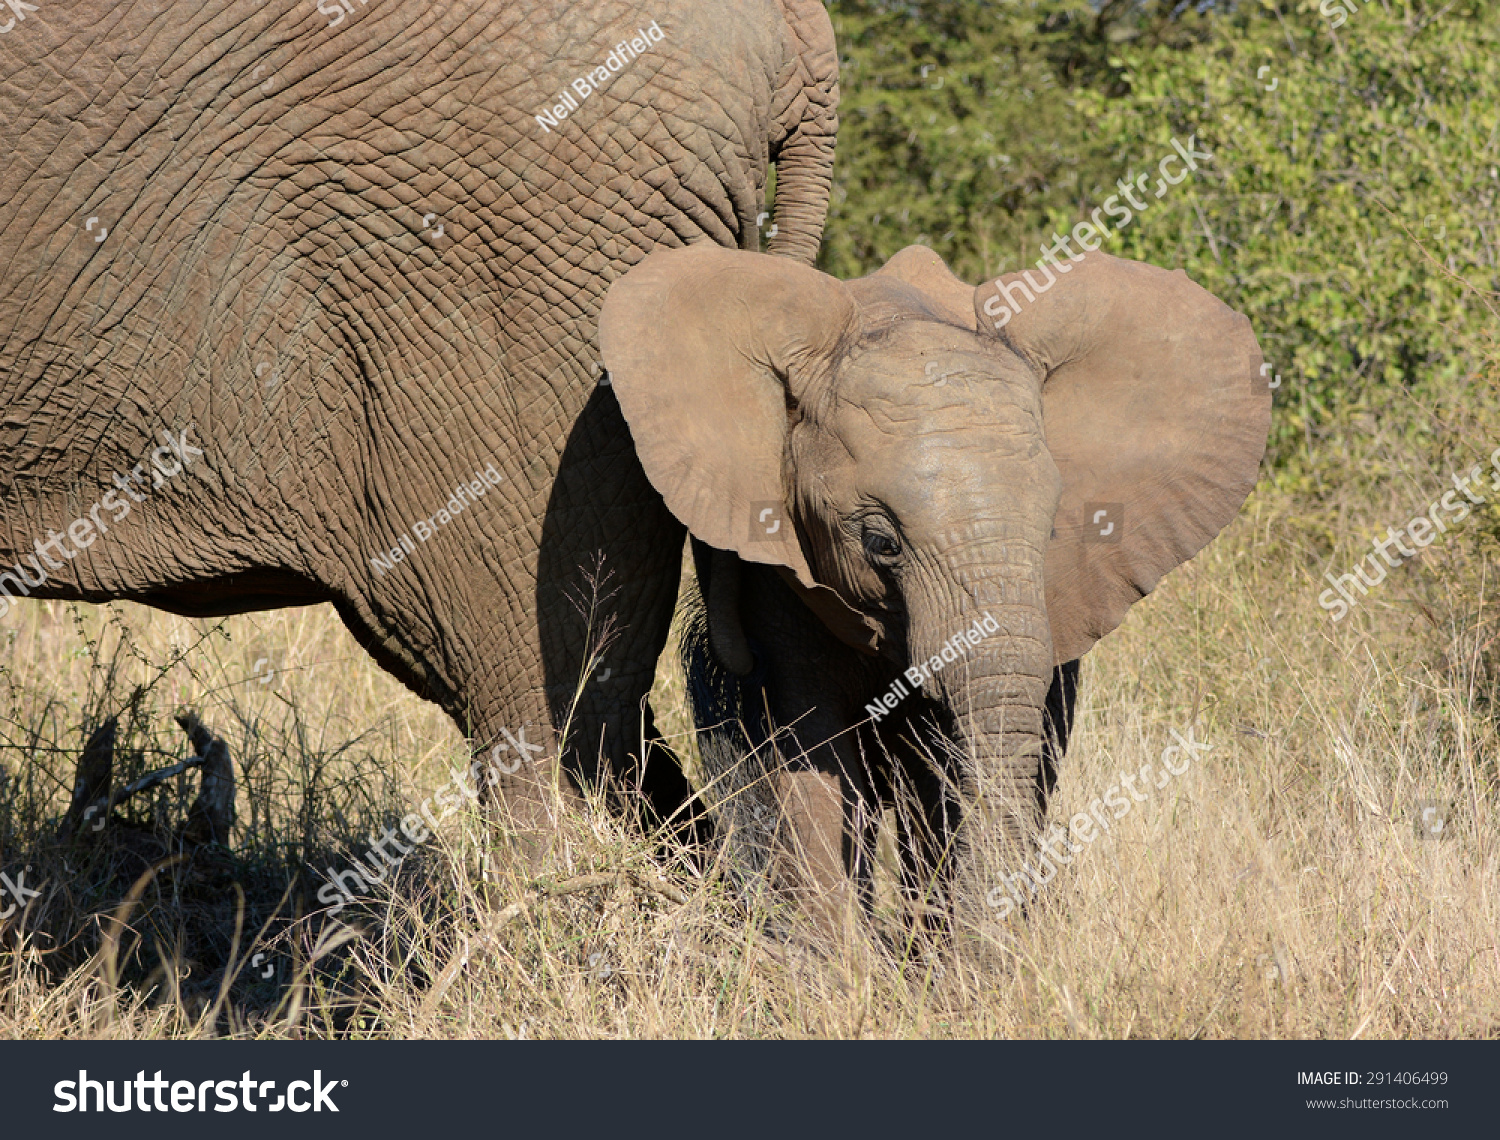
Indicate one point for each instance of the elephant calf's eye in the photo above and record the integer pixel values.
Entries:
(880, 545)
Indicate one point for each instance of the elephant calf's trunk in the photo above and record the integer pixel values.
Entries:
(999, 719)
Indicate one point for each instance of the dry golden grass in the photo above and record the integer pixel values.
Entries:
(1279, 888)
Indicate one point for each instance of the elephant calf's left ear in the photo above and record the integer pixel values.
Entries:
(1156, 415)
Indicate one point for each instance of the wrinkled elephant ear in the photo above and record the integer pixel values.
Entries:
(1156, 415)
(707, 350)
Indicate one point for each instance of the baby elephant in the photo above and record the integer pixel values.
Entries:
(915, 504)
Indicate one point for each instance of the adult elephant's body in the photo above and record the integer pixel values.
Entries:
(356, 267)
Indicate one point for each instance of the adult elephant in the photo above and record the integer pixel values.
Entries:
(348, 260)
(915, 505)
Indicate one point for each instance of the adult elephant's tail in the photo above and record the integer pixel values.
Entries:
(806, 114)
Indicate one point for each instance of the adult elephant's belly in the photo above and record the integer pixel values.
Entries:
(299, 302)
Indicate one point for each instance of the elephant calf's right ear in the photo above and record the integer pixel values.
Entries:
(705, 347)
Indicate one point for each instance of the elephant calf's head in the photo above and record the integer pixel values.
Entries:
(910, 466)
(904, 461)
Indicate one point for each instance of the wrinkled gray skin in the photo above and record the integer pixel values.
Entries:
(270, 191)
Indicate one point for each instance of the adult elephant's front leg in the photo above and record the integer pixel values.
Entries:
(609, 567)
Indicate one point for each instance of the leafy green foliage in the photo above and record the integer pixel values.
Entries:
(1349, 211)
